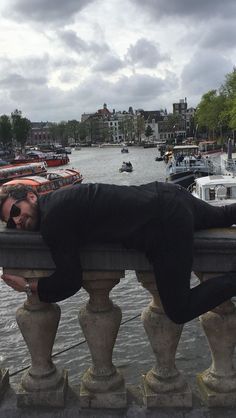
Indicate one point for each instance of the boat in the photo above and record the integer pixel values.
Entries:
(52, 159)
(218, 190)
(186, 164)
(124, 150)
(126, 166)
(209, 147)
(160, 158)
(46, 183)
(149, 144)
(10, 172)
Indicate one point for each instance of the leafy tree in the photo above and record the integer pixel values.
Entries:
(53, 131)
(5, 131)
(209, 113)
(21, 127)
(148, 131)
(82, 131)
(140, 127)
(72, 129)
(62, 133)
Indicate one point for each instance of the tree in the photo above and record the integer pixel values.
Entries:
(21, 127)
(209, 111)
(140, 127)
(72, 129)
(148, 131)
(5, 131)
(83, 131)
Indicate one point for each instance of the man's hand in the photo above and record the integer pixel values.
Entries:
(18, 282)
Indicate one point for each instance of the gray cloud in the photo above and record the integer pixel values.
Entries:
(108, 64)
(17, 81)
(145, 54)
(137, 91)
(52, 11)
(204, 72)
(71, 40)
(219, 36)
(203, 9)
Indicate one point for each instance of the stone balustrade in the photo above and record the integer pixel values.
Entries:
(102, 385)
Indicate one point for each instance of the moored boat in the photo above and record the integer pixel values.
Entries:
(186, 164)
(52, 159)
(53, 180)
(10, 172)
(218, 190)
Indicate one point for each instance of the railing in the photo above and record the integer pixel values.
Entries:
(102, 385)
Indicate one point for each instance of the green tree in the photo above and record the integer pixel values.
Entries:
(209, 113)
(148, 131)
(21, 127)
(72, 129)
(140, 127)
(83, 131)
(5, 131)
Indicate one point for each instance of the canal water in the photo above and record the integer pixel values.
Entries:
(132, 353)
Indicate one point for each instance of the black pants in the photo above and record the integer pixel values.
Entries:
(181, 215)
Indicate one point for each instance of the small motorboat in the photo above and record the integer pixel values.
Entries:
(124, 150)
(126, 166)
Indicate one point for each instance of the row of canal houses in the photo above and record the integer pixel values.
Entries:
(119, 126)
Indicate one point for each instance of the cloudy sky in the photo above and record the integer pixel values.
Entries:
(61, 58)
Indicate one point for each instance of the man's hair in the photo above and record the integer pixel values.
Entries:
(17, 192)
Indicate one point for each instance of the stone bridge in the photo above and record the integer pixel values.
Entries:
(102, 387)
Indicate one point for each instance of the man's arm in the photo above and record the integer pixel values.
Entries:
(63, 283)
(19, 283)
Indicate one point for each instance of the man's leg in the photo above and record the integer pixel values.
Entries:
(172, 263)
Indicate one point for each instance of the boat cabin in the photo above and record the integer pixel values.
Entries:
(14, 171)
(215, 189)
(53, 180)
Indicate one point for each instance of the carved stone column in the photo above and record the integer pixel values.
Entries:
(43, 384)
(163, 385)
(218, 383)
(102, 385)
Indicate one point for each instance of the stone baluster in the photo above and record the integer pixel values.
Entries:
(217, 384)
(163, 385)
(43, 384)
(4, 381)
(102, 385)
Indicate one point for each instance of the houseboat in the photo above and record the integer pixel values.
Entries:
(10, 172)
(53, 180)
(52, 159)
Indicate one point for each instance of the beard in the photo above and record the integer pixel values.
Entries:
(30, 222)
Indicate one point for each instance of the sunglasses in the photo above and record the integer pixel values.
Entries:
(14, 212)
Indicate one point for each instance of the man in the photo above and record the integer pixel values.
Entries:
(157, 218)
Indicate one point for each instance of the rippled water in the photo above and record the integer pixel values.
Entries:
(132, 352)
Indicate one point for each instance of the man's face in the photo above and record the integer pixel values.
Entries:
(26, 216)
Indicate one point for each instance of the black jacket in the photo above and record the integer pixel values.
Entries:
(90, 213)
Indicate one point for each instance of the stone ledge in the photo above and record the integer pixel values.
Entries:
(214, 251)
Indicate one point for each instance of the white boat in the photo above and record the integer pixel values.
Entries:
(186, 164)
(218, 190)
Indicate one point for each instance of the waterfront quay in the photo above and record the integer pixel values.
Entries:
(162, 390)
